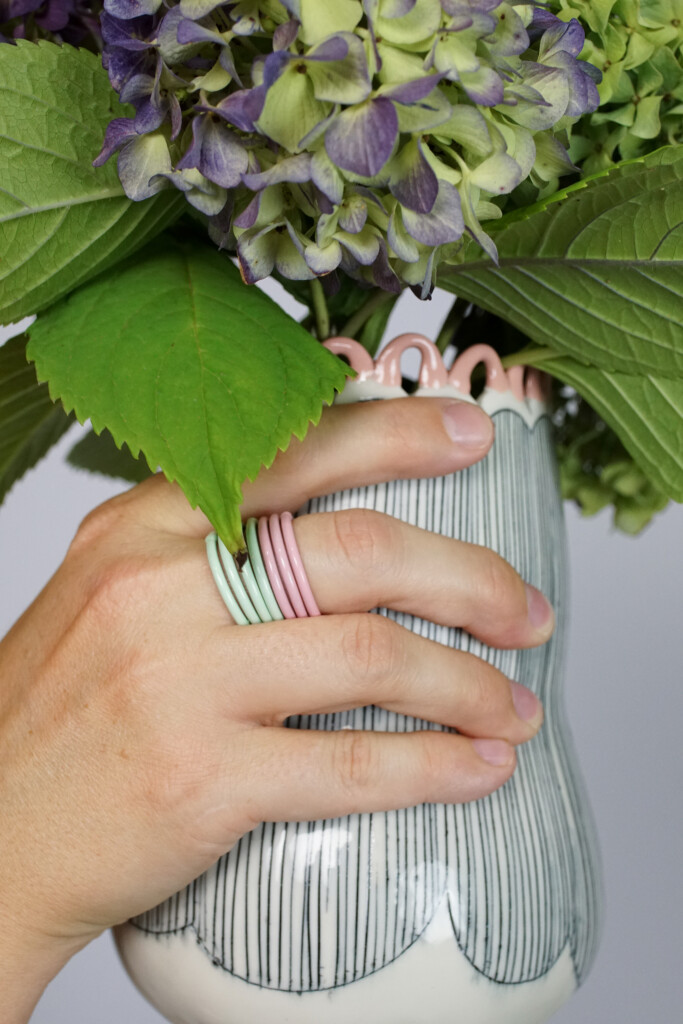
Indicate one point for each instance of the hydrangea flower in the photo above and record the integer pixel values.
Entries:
(360, 135)
(69, 20)
(638, 45)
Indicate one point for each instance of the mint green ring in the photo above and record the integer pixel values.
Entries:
(260, 570)
(221, 582)
(249, 579)
(236, 584)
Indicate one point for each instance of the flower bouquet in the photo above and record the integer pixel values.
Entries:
(158, 159)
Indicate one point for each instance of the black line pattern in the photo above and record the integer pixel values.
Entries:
(308, 906)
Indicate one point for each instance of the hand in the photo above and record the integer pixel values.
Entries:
(142, 731)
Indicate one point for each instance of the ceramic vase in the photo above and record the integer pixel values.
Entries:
(483, 913)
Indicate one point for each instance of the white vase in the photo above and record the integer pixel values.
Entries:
(484, 913)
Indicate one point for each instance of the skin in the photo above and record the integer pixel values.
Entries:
(141, 730)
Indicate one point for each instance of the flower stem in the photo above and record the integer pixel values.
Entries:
(322, 316)
(530, 356)
(358, 320)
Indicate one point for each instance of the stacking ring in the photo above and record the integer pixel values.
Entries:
(268, 582)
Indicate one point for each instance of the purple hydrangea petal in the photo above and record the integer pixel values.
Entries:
(139, 161)
(119, 131)
(583, 93)
(412, 92)
(400, 241)
(228, 64)
(198, 8)
(567, 37)
(220, 226)
(553, 87)
(126, 9)
(455, 7)
(397, 8)
(273, 66)
(121, 65)
(19, 8)
(338, 70)
(150, 116)
(335, 48)
(445, 222)
(542, 20)
(484, 86)
(56, 15)
(256, 252)
(326, 177)
(323, 260)
(510, 38)
(291, 169)
(249, 215)
(361, 139)
(241, 108)
(176, 116)
(191, 32)
(364, 246)
(216, 152)
(382, 273)
(137, 89)
(294, 8)
(285, 34)
(411, 179)
(353, 214)
(128, 35)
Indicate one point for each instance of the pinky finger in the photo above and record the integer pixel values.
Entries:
(305, 775)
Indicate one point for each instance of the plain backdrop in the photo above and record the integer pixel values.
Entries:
(624, 699)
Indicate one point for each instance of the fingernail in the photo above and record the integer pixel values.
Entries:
(539, 608)
(495, 752)
(527, 704)
(467, 425)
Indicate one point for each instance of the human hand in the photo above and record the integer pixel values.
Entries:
(141, 731)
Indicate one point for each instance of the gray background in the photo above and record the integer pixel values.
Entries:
(624, 699)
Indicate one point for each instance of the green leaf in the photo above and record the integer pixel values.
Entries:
(97, 453)
(180, 359)
(30, 422)
(61, 220)
(596, 274)
(645, 411)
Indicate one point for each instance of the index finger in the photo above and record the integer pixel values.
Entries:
(352, 446)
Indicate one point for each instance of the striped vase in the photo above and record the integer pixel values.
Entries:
(483, 913)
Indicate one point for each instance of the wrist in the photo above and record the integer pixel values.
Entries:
(28, 963)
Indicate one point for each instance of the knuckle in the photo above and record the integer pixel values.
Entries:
(363, 537)
(354, 762)
(372, 648)
(98, 524)
(500, 587)
(486, 693)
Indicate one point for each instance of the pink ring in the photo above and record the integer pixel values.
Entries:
(297, 565)
(285, 568)
(272, 569)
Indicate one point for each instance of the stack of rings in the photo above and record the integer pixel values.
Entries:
(267, 582)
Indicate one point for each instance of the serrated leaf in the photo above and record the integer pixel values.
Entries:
(181, 360)
(61, 220)
(97, 453)
(598, 274)
(30, 422)
(645, 411)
